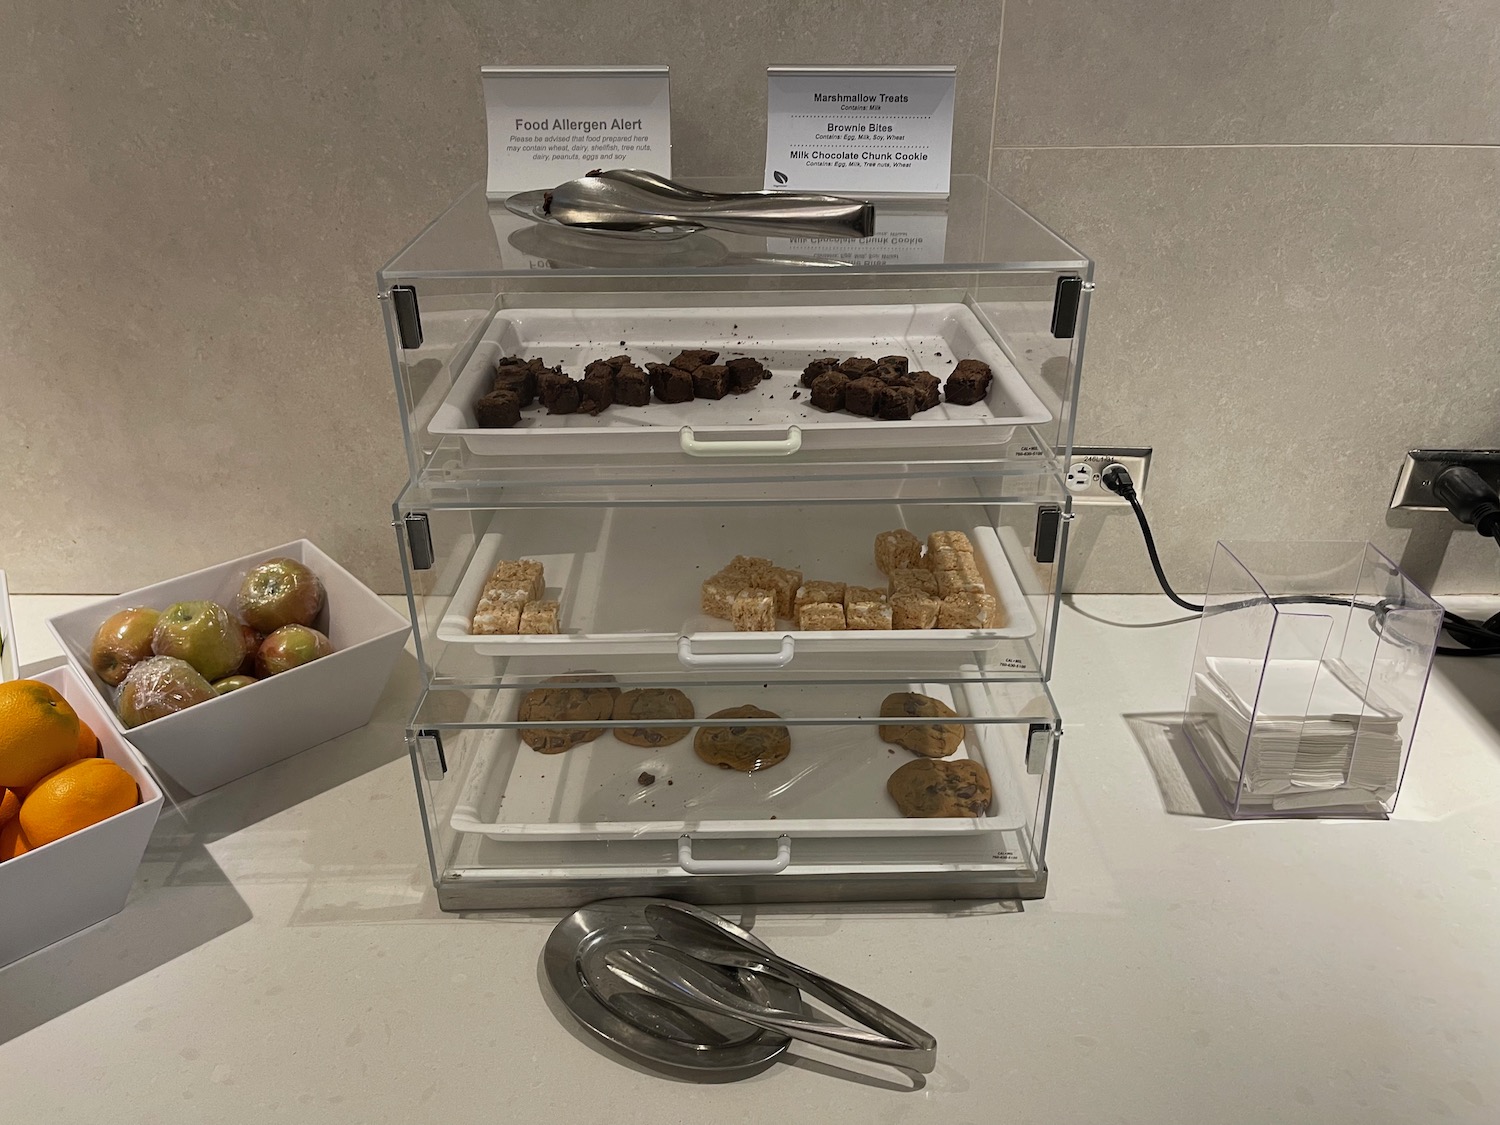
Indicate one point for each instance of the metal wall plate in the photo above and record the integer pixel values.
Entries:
(1414, 485)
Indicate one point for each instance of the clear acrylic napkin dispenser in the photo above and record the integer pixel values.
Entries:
(1311, 664)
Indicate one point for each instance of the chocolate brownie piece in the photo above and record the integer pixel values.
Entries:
(498, 410)
(828, 390)
(600, 369)
(519, 381)
(617, 362)
(597, 393)
(691, 360)
(899, 362)
(671, 384)
(895, 404)
(818, 367)
(856, 366)
(745, 374)
(559, 393)
(928, 387)
(890, 375)
(632, 387)
(710, 381)
(969, 383)
(859, 396)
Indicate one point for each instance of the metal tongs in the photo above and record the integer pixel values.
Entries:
(690, 941)
(630, 203)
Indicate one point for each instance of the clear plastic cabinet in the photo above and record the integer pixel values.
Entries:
(633, 502)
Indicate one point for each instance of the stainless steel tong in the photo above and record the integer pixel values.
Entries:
(632, 203)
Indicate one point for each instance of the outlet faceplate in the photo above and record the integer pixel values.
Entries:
(1414, 485)
(1087, 463)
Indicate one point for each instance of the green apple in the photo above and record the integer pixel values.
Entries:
(290, 647)
(204, 635)
(280, 592)
(162, 685)
(122, 642)
(233, 683)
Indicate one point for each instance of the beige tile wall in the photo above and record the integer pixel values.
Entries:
(194, 198)
(1292, 207)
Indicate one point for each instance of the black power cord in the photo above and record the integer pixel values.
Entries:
(1464, 492)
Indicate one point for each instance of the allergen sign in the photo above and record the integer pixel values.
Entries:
(548, 124)
(871, 130)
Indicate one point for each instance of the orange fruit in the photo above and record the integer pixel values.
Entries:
(88, 741)
(12, 840)
(74, 797)
(10, 804)
(38, 732)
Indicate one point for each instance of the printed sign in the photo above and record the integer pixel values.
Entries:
(899, 239)
(548, 124)
(867, 130)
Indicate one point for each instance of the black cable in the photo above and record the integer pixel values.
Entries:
(1478, 638)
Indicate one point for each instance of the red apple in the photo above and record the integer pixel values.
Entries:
(122, 642)
(290, 647)
(162, 685)
(280, 592)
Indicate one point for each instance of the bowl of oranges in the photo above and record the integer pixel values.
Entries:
(77, 806)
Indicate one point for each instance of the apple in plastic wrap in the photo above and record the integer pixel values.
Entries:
(233, 683)
(203, 634)
(160, 686)
(290, 647)
(122, 642)
(280, 592)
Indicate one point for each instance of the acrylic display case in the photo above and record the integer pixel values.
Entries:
(630, 509)
(1311, 664)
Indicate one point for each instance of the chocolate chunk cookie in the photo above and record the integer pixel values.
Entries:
(743, 748)
(928, 788)
(652, 703)
(565, 697)
(930, 740)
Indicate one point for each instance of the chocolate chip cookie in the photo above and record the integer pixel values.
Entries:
(651, 703)
(565, 697)
(931, 740)
(928, 788)
(743, 748)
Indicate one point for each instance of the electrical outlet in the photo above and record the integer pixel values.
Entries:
(1086, 466)
(1414, 485)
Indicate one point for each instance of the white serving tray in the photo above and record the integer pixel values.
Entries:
(766, 421)
(629, 580)
(831, 785)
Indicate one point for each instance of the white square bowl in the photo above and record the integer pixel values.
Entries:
(213, 743)
(69, 884)
(10, 659)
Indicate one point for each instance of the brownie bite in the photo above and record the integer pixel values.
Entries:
(859, 396)
(559, 394)
(632, 386)
(618, 362)
(600, 369)
(899, 362)
(745, 374)
(928, 389)
(498, 410)
(691, 360)
(895, 404)
(818, 367)
(519, 381)
(969, 383)
(889, 374)
(597, 392)
(671, 384)
(828, 390)
(856, 366)
(711, 381)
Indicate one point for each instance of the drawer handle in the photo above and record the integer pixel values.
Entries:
(690, 659)
(768, 866)
(772, 447)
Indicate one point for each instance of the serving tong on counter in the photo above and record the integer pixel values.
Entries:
(693, 990)
(630, 203)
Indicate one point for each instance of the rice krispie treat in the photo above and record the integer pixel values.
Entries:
(968, 611)
(866, 608)
(540, 617)
(961, 581)
(955, 540)
(813, 591)
(753, 610)
(517, 574)
(914, 579)
(897, 550)
(913, 609)
(719, 591)
(499, 612)
(816, 617)
(784, 583)
(751, 566)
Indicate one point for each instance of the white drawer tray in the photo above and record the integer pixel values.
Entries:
(832, 783)
(629, 579)
(764, 422)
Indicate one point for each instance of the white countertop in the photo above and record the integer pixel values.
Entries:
(282, 957)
